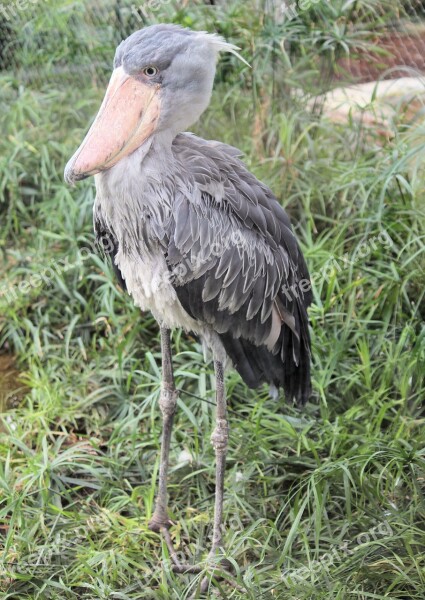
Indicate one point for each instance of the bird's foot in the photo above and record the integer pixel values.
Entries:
(162, 526)
(159, 521)
(217, 570)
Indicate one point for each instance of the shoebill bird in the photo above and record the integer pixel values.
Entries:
(193, 236)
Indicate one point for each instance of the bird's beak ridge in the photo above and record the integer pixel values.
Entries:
(127, 117)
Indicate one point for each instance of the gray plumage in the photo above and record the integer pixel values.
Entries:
(194, 236)
(230, 257)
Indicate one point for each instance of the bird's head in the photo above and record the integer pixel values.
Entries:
(162, 81)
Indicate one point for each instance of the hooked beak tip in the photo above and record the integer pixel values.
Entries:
(71, 176)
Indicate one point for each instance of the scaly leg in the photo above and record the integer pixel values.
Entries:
(160, 521)
(219, 441)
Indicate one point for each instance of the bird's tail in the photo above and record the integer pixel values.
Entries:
(257, 365)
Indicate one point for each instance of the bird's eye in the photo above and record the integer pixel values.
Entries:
(150, 71)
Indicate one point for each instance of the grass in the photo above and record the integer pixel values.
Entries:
(324, 503)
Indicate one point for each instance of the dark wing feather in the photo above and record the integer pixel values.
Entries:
(250, 266)
(107, 243)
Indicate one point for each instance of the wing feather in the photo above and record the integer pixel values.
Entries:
(250, 284)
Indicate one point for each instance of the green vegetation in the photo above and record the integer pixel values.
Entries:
(324, 503)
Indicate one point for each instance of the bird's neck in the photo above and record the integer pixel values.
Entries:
(154, 152)
(154, 161)
(128, 186)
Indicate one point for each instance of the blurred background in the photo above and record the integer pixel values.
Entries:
(331, 116)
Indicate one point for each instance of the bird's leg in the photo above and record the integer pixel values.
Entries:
(160, 521)
(219, 441)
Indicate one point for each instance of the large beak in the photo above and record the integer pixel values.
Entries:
(127, 117)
